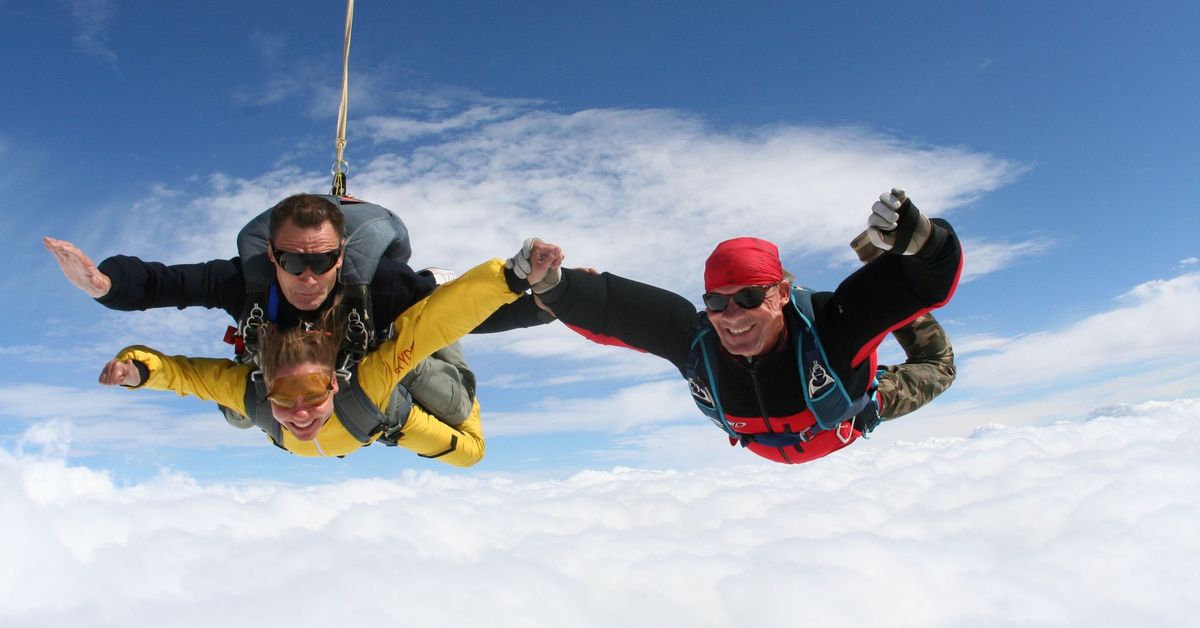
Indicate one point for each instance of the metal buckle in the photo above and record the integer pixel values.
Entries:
(849, 433)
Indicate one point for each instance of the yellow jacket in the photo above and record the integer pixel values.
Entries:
(449, 313)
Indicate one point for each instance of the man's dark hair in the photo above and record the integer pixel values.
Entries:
(307, 211)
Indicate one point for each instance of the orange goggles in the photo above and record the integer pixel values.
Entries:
(310, 389)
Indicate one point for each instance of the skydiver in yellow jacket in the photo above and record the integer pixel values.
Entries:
(308, 408)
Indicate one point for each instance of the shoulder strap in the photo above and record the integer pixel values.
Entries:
(259, 408)
(363, 419)
(257, 278)
(824, 392)
(701, 378)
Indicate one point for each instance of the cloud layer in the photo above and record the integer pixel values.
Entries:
(1073, 524)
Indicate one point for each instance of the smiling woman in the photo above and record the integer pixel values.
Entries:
(298, 368)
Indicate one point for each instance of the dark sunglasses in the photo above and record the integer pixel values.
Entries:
(295, 263)
(746, 298)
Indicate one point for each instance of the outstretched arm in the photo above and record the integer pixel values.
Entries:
(211, 379)
(609, 309)
(918, 273)
(127, 283)
(456, 308)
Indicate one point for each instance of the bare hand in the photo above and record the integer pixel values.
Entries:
(120, 372)
(543, 257)
(78, 267)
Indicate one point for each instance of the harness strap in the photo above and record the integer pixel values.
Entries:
(824, 392)
(704, 390)
(259, 408)
(363, 419)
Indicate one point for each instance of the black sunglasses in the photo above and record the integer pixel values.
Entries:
(295, 263)
(746, 298)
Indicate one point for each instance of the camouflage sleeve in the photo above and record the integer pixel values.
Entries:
(927, 372)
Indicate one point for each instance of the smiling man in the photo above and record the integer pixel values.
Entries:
(786, 372)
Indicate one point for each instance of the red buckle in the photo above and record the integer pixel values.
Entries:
(235, 339)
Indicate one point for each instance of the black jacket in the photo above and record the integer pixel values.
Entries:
(141, 285)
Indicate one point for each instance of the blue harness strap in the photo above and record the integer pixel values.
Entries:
(273, 303)
(699, 381)
(824, 393)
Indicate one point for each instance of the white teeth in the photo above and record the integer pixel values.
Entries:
(303, 425)
(737, 332)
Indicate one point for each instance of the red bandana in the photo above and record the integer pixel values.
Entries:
(742, 262)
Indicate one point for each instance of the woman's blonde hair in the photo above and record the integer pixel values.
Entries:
(305, 344)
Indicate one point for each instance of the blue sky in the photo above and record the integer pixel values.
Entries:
(1059, 138)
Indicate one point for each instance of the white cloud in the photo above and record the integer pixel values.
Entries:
(1190, 261)
(534, 357)
(91, 19)
(1156, 322)
(85, 421)
(1017, 526)
(621, 410)
(983, 258)
(396, 129)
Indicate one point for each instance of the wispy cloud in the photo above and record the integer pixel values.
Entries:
(658, 402)
(271, 47)
(983, 258)
(397, 129)
(1146, 347)
(102, 419)
(938, 531)
(91, 19)
(1154, 322)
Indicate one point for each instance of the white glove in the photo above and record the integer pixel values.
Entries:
(519, 263)
(895, 218)
(553, 276)
(440, 275)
